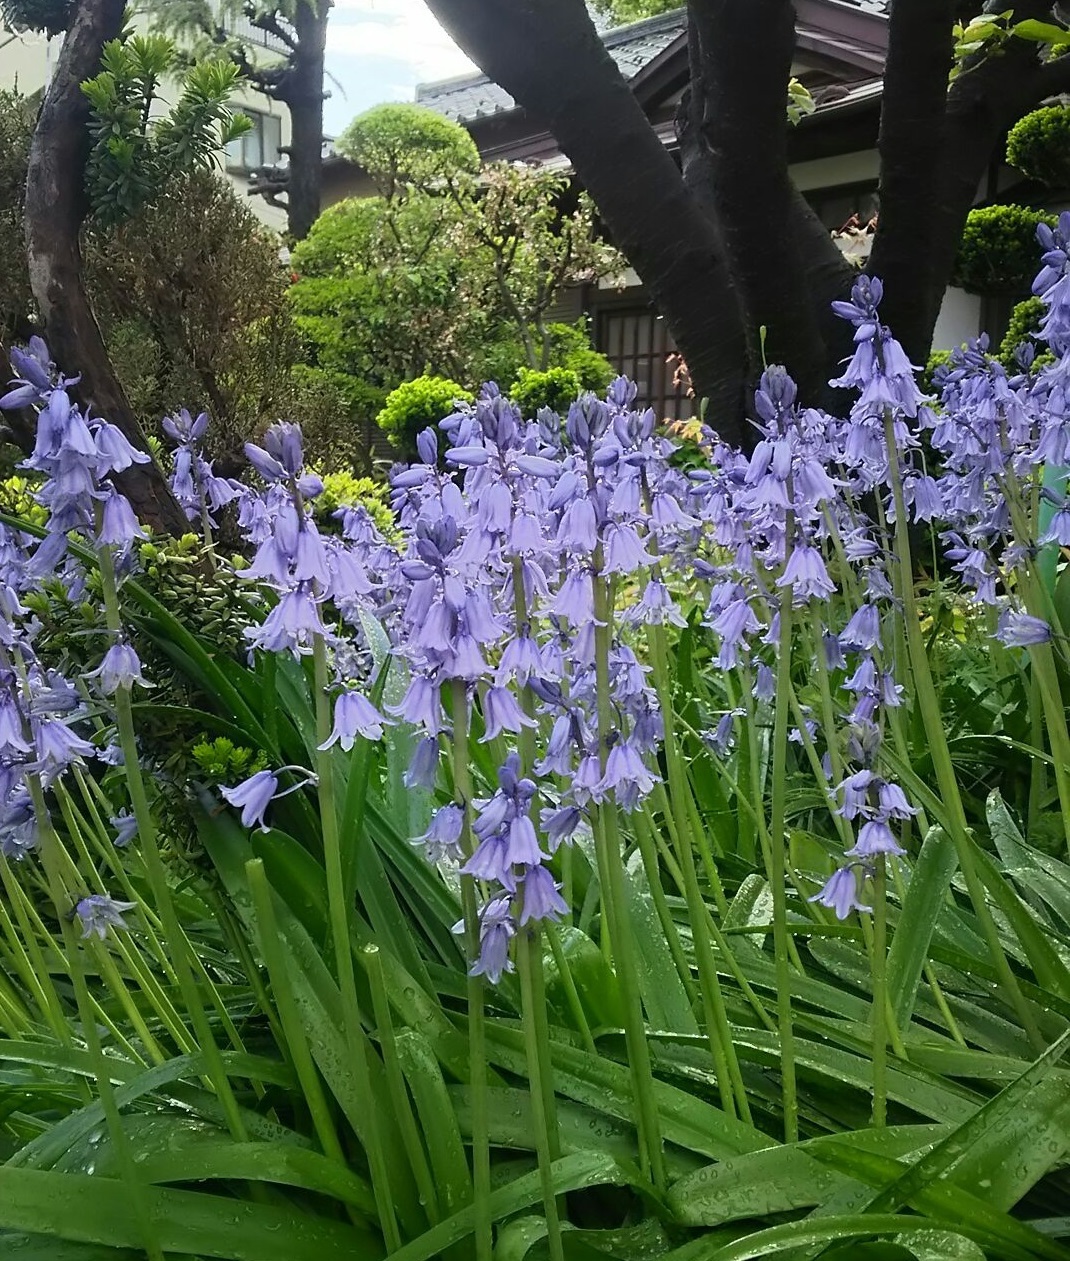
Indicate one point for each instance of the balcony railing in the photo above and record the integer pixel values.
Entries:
(242, 28)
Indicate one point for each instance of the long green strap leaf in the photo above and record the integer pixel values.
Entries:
(929, 882)
(97, 1210)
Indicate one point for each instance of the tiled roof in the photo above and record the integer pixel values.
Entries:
(631, 47)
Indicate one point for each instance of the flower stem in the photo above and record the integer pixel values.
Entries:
(880, 992)
(575, 1005)
(477, 1035)
(547, 1144)
(395, 1079)
(722, 1048)
(947, 783)
(61, 899)
(777, 870)
(174, 935)
(338, 912)
(614, 903)
(289, 1014)
(529, 950)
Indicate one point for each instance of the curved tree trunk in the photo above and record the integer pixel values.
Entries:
(743, 58)
(54, 210)
(640, 194)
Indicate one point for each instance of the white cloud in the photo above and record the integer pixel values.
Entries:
(402, 31)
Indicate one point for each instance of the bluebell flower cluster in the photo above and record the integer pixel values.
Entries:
(532, 554)
(194, 483)
(45, 719)
(524, 539)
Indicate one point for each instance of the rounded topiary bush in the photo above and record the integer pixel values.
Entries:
(937, 359)
(343, 489)
(415, 405)
(1024, 330)
(1039, 145)
(594, 370)
(403, 144)
(999, 253)
(555, 388)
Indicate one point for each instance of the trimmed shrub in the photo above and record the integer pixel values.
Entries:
(415, 405)
(1024, 328)
(404, 143)
(998, 252)
(1039, 145)
(344, 490)
(555, 388)
(937, 359)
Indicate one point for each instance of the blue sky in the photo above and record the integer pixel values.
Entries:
(379, 50)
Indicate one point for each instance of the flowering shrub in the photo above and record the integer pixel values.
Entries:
(610, 824)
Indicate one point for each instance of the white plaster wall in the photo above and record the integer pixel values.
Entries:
(959, 319)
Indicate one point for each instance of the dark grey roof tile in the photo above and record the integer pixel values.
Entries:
(631, 47)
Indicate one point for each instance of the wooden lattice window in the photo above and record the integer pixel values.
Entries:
(636, 341)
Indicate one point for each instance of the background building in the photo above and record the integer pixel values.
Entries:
(26, 61)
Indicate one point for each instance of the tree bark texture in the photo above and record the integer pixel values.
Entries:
(301, 91)
(911, 147)
(55, 208)
(744, 50)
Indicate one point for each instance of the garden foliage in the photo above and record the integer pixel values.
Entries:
(449, 271)
(616, 861)
(1038, 145)
(997, 254)
(192, 301)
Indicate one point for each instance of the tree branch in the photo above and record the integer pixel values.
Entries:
(55, 207)
(267, 20)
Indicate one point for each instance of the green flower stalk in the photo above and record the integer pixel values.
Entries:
(338, 912)
(614, 903)
(533, 996)
(477, 1037)
(181, 950)
(778, 866)
(947, 782)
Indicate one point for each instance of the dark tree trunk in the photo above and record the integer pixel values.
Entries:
(828, 275)
(301, 91)
(54, 210)
(911, 148)
(744, 52)
(640, 194)
(729, 244)
(919, 232)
